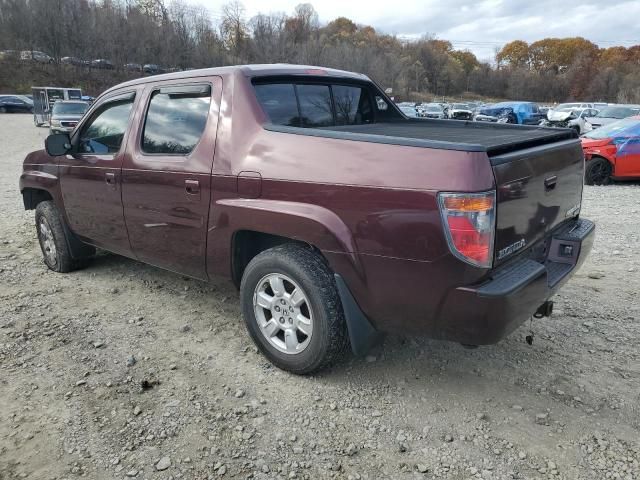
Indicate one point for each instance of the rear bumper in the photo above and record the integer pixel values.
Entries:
(449, 300)
(485, 313)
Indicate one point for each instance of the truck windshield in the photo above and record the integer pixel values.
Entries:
(75, 108)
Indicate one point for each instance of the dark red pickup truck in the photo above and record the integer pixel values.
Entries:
(336, 216)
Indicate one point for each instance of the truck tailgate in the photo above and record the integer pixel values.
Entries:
(538, 189)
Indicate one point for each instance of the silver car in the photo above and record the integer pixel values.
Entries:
(611, 114)
(66, 114)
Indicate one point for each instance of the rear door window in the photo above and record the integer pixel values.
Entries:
(175, 120)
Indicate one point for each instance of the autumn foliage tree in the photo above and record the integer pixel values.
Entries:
(179, 34)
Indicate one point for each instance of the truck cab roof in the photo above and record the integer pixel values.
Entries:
(258, 70)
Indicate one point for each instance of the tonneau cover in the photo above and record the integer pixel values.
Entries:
(493, 138)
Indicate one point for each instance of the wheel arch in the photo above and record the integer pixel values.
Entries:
(597, 156)
(246, 244)
(245, 227)
(31, 197)
(38, 186)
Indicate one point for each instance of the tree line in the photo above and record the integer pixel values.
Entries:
(183, 35)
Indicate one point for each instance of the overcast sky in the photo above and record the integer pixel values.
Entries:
(480, 26)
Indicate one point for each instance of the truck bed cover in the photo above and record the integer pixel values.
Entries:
(494, 139)
(475, 136)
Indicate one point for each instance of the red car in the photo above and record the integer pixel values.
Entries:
(612, 152)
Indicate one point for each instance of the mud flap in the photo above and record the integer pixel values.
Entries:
(361, 333)
(79, 250)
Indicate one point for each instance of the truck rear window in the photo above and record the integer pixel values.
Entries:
(279, 102)
(315, 105)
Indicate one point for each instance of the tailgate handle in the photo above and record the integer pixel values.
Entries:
(550, 183)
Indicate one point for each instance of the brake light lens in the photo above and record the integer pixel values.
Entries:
(315, 71)
(469, 223)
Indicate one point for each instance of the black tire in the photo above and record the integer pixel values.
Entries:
(577, 129)
(597, 171)
(329, 339)
(53, 234)
(3, 110)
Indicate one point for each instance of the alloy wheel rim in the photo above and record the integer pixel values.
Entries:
(599, 173)
(48, 245)
(283, 313)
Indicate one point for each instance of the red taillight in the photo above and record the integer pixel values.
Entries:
(469, 220)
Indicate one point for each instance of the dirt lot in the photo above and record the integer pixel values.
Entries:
(122, 369)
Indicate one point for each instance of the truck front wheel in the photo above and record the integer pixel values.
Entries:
(53, 241)
(292, 309)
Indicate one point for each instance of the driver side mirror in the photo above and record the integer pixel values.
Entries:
(57, 144)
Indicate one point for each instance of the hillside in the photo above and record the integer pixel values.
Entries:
(19, 77)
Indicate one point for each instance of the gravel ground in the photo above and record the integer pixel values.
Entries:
(123, 370)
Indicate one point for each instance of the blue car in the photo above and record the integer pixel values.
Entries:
(522, 113)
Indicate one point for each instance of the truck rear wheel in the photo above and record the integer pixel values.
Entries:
(597, 172)
(55, 248)
(292, 309)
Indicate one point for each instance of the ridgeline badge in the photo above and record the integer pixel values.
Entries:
(509, 249)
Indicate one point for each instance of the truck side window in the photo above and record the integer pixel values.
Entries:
(279, 103)
(353, 105)
(176, 119)
(103, 134)
(315, 105)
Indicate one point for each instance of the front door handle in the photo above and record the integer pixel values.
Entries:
(192, 187)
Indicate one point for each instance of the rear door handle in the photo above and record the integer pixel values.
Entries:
(550, 182)
(192, 187)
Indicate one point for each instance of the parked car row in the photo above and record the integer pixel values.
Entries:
(457, 111)
(149, 68)
(99, 63)
(580, 116)
(26, 55)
